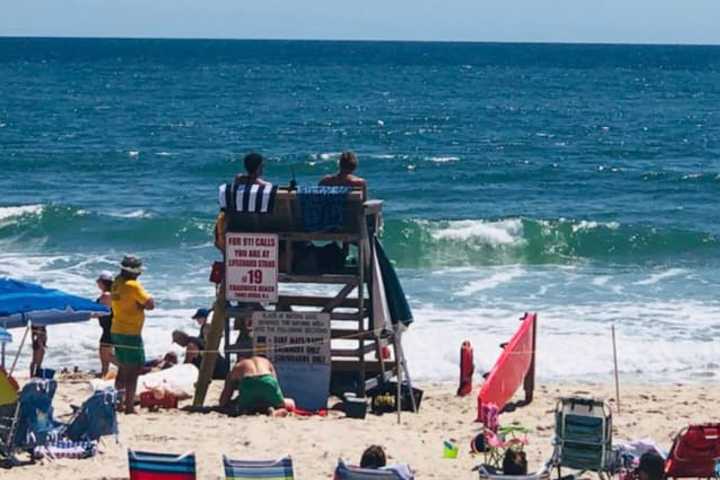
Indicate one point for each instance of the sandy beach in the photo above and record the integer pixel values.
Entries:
(315, 444)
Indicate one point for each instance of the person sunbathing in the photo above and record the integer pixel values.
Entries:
(345, 177)
(652, 467)
(373, 457)
(168, 360)
(258, 389)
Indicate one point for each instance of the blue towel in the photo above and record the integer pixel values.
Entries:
(323, 208)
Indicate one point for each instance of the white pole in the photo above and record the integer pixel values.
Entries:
(399, 380)
(19, 350)
(403, 363)
(615, 361)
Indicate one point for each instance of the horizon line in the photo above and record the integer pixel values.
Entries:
(359, 40)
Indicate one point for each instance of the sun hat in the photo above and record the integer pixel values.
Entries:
(131, 264)
(105, 276)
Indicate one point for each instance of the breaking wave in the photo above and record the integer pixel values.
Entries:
(411, 243)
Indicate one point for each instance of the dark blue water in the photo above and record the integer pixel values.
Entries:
(580, 181)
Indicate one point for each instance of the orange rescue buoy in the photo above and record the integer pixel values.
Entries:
(467, 369)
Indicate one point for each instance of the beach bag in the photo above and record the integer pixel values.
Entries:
(95, 418)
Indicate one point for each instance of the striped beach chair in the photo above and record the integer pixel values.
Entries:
(251, 469)
(161, 466)
(347, 472)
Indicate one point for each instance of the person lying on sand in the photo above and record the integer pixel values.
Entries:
(168, 360)
(258, 390)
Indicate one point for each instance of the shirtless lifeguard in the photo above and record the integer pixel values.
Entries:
(347, 164)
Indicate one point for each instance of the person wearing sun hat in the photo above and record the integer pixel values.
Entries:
(129, 302)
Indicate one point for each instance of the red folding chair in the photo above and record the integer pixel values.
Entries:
(694, 453)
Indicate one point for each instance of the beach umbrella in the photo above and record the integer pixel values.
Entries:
(24, 303)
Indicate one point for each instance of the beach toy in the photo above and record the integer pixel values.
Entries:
(450, 450)
(467, 368)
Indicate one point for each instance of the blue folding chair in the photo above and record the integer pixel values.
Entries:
(36, 424)
(281, 469)
(347, 472)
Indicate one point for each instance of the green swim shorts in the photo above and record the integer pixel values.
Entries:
(259, 393)
(129, 349)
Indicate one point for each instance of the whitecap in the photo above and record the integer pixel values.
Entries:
(498, 233)
(601, 280)
(584, 225)
(444, 159)
(140, 213)
(9, 212)
(500, 276)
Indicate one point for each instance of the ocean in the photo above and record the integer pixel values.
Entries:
(577, 181)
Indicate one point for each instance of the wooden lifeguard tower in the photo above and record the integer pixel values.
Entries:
(360, 340)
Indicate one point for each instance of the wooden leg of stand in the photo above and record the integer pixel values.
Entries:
(207, 366)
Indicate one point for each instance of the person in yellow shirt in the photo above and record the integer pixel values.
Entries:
(129, 302)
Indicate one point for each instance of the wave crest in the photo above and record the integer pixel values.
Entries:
(423, 243)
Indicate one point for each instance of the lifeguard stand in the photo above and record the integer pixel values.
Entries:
(356, 333)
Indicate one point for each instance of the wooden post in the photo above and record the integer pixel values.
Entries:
(615, 361)
(207, 366)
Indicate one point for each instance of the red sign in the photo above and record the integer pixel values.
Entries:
(251, 267)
